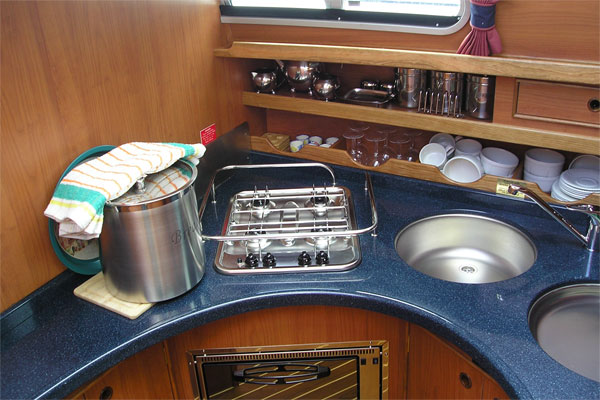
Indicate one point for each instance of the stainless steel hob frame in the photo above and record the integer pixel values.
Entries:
(341, 230)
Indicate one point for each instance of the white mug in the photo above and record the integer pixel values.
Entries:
(296, 145)
(433, 154)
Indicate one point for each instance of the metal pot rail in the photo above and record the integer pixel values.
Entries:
(288, 235)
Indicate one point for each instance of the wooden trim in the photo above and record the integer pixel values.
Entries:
(554, 120)
(559, 71)
(459, 126)
(407, 169)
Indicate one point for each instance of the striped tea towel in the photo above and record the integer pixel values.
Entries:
(78, 201)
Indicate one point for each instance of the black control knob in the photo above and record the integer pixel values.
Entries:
(304, 259)
(269, 260)
(322, 258)
(251, 260)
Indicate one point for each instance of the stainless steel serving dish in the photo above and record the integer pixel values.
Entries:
(367, 97)
(465, 248)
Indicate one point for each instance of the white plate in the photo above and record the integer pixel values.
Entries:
(582, 179)
(568, 191)
(558, 194)
(586, 161)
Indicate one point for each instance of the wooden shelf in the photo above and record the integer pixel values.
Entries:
(407, 169)
(549, 70)
(398, 117)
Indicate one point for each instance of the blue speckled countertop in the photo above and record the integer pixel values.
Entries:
(53, 342)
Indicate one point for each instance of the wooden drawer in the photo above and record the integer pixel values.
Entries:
(559, 103)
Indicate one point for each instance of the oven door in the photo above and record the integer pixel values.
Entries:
(346, 370)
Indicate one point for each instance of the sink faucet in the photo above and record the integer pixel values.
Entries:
(590, 239)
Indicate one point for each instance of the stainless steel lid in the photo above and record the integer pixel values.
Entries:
(158, 187)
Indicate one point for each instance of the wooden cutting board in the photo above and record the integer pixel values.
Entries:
(94, 290)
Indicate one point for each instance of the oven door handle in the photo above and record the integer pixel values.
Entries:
(281, 374)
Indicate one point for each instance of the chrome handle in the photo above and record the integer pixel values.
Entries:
(298, 235)
(590, 239)
(281, 374)
(589, 209)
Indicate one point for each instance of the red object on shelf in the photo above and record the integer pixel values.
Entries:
(483, 40)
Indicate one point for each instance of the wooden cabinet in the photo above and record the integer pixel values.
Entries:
(559, 103)
(144, 375)
(293, 325)
(531, 125)
(436, 370)
(421, 365)
(492, 391)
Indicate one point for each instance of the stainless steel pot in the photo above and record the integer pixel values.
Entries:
(300, 74)
(409, 83)
(151, 247)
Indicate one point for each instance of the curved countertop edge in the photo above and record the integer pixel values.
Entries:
(442, 327)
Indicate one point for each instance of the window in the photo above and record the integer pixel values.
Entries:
(436, 17)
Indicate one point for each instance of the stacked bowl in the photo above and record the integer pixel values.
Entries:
(579, 181)
(499, 162)
(543, 166)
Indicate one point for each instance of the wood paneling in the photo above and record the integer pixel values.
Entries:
(566, 104)
(491, 390)
(555, 29)
(505, 106)
(293, 325)
(562, 71)
(144, 375)
(435, 370)
(85, 73)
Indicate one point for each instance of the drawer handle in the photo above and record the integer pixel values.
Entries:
(280, 374)
(465, 380)
(594, 105)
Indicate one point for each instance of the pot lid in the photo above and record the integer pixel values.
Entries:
(159, 185)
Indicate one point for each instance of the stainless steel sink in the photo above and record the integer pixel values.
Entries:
(566, 324)
(465, 248)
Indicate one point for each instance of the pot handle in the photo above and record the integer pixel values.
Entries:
(140, 185)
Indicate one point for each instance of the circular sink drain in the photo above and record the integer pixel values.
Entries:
(468, 269)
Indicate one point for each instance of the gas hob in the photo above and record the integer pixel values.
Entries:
(310, 229)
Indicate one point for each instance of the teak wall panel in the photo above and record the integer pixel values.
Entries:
(81, 74)
(555, 29)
